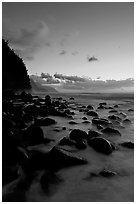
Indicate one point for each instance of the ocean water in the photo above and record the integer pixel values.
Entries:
(77, 185)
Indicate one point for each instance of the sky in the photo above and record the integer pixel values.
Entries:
(89, 39)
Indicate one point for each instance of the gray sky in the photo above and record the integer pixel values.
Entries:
(60, 37)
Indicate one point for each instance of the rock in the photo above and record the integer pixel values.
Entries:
(116, 106)
(101, 107)
(101, 121)
(107, 173)
(72, 122)
(103, 173)
(123, 114)
(113, 111)
(64, 128)
(109, 131)
(99, 127)
(128, 144)
(71, 98)
(34, 135)
(101, 145)
(90, 107)
(63, 158)
(45, 121)
(66, 141)
(93, 133)
(130, 110)
(86, 122)
(92, 113)
(84, 118)
(110, 107)
(126, 121)
(81, 145)
(114, 117)
(78, 135)
(103, 104)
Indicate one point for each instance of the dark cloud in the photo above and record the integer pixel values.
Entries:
(91, 59)
(63, 52)
(26, 42)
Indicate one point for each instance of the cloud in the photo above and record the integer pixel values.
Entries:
(74, 53)
(63, 52)
(26, 42)
(90, 59)
(69, 78)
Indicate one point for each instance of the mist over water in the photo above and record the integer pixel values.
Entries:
(78, 185)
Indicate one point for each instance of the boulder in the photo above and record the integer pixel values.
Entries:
(78, 135)
(92, 113)
(33, 135)
(100, 144)
(110, 131)
(59, 158)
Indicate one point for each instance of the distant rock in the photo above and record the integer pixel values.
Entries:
(101, 121)
(86, 121)
(126, 121)
(113, 111)
(130, 110)
(84, 118)
(103, 104)
(92, 113)
(90, 107)
(114, 117)
(72, 122)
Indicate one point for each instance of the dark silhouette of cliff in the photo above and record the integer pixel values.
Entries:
(14, 72)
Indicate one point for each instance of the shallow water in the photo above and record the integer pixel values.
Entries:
(77, 184)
